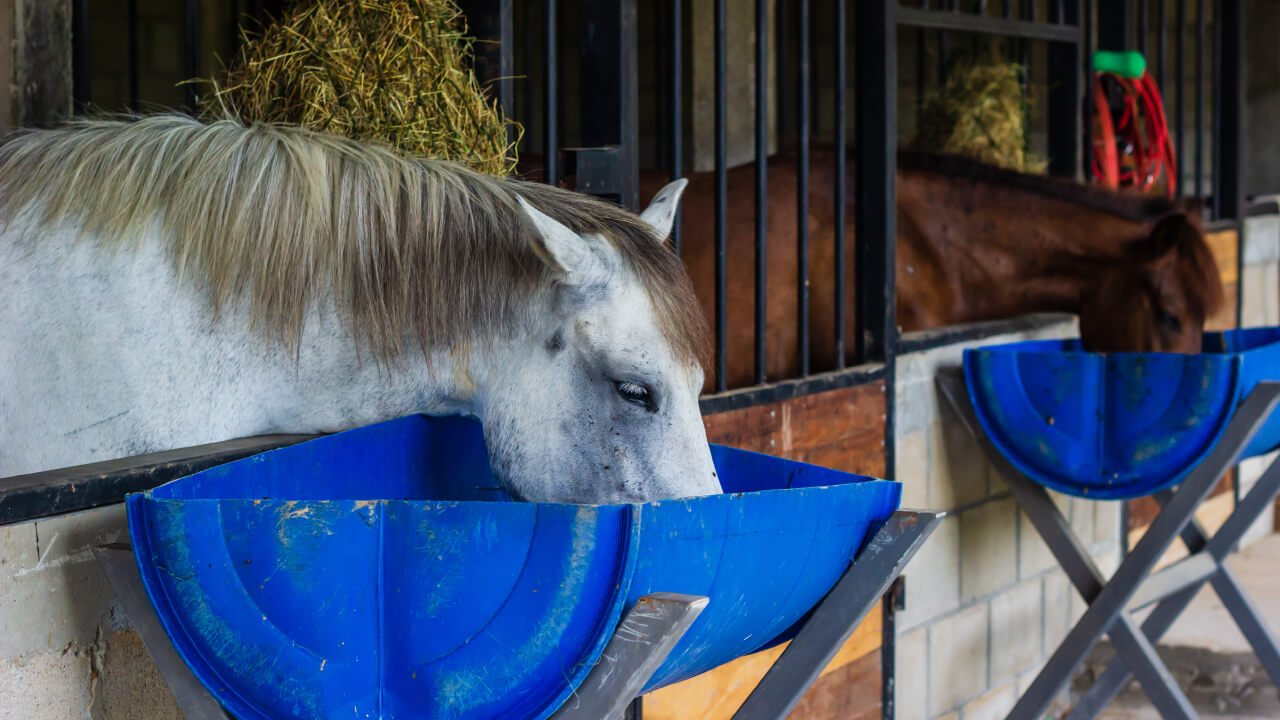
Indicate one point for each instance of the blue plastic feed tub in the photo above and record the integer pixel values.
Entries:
(381, 573)
(1121, 425)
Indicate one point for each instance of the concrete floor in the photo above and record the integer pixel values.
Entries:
(1207, 652)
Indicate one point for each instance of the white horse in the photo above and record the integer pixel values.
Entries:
(166, 283)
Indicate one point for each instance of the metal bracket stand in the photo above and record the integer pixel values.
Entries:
(640, 643)
(1133, 585)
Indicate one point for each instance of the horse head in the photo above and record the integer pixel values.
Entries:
(596, 404)
(1157, 296)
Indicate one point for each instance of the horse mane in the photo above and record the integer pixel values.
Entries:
(410, 251)
(1139, 207)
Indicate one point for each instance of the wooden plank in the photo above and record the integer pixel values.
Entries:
(1224, 245)
(841, 429)
(717, 694)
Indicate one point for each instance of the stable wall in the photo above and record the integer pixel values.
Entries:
(985, 601)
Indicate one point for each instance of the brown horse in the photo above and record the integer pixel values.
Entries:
(974, 243)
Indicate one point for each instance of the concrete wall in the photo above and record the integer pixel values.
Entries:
(985, 601)
(67, 651)
(1260, 306)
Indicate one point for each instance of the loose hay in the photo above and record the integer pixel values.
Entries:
(980, 113)
(390, 71)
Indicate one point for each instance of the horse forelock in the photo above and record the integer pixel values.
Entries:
(1198, 270)
(412, 252)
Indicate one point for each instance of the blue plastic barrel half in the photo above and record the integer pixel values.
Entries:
(1119, 425)
(381, 573)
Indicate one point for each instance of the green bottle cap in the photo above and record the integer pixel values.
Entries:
(1128, 63)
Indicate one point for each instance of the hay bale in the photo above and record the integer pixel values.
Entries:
(391, 71)
(980, 112)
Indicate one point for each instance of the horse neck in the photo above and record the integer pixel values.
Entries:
(1007, 250)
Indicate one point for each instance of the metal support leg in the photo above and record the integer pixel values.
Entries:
(1107, 602)
(642, 641)
(122, 570)
(836, 617)
(1251, 625)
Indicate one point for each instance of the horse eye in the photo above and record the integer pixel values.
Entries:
(636, 394)
(1169, 321)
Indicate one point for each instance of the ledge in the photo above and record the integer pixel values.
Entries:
(56, 492)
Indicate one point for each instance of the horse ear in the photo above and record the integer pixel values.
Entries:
(567, 251)
(1170, 233)
(661, 213)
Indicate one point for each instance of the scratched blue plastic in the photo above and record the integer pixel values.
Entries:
(380, 573)
(1121, 425)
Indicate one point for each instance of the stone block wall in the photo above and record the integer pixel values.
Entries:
(67, 651)
(985, 602)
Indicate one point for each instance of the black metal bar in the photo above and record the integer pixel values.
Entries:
(191, 51)
(81, 79)
(608, 72)
(1114, 24)
(550, 99)
(894, 602)
(492, 25)
(1144, 14)
(788, 389)
(841, 179)
(57, 492)
(135, 65)
(676, 80)
(1230, 152)
(1065, 108)
(875, 206)
(804, 61)
(1162, 45)
(1084, 11)
(1179, 56)
(1200, 41)
(834, 619)
(991, 25)
(762, 187)
(722, 198)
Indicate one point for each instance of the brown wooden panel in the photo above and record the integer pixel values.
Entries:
(850, 693)
(1224, 247)
(841, 429)
(1225, 318)
(717, 694)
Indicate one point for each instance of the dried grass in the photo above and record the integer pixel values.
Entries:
(397, 72)
(980, 112)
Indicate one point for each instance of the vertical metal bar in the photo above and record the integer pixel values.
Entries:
(841, 180)
(894, 601)
(1114, 24)
(1084, 15)
(722, 198)
(1200, 39)
(490, 22)
(1180, 113)
(80, 77)
(875, 206)
(802, 183)
(550, 99)
(609, 77)
(677, 107)
(191, 51)
(1162, 45)
(1143, 14)
(762, 186)
(135, 66)
(1230, 151)
(1065, 107)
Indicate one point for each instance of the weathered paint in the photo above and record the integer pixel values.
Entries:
(448, 604)
(1122, 425)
